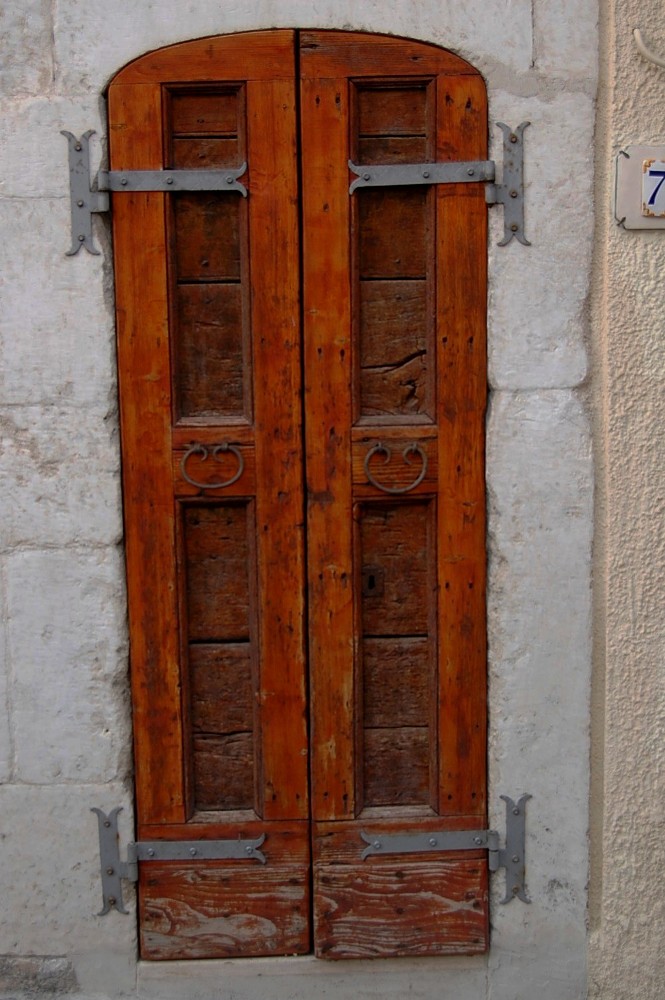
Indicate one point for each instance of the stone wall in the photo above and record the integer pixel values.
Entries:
(64, 723)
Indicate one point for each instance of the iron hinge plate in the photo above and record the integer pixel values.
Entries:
(113, 870)
(511, 857)
(509, 193)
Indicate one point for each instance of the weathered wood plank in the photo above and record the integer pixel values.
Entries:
(224, 771)
(207, 236)
(217, 567)
(393, 233)
(222, 909)
(345, 53)
(214, 469)
(396, 472)
(210, 369)
(396, 766)
(392, 149)
(395, 537)
(222, 687)
(392, 109)
(396, 682)
(198, 113)
(205, 154)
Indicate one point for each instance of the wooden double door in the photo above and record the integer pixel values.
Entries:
(302, 384)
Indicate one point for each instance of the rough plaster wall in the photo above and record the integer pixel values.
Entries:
(64, 731)
(628, 904)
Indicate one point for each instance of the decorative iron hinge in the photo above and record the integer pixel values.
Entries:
(113, 869)
(511, 857)
(509, 193)
(85, 201)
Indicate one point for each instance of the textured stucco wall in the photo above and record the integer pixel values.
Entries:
(627, 909)
(64, 726)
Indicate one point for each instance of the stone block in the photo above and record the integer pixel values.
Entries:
(539, 616)
(34, 155)
(498, 33)
(51, 888)
(301, 978)
(538, 323)
(57, 338)
(69, 665)
(59, 476)
(27, 64)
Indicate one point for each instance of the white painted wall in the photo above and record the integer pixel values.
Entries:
(64, 724)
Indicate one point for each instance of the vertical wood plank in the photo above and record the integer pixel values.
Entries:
(144, 382)
(327, 355)
(461, 347)
(279, 501)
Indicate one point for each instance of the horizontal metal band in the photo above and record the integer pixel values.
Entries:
(400, 174)
(426, 843)
(173, 180)
(196, 850)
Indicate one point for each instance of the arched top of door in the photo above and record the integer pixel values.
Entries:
(199, 59)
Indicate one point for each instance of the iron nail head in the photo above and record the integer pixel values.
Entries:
(513, 194)
(515, 858)
(249, 849)
(366, 177)
(123, 181)
(78, 147)
(229, 180)
(80, 203)
(432, 841)
(112, 900)
(471, 172)
(514, 229)
(377, 845)
(516, 811)
(109, 871)
(425, 173)
(516, 889)
(169, 180)
(82, 240)
(478, 840)
(107, 822)
(193, 851)
(151, 852)
(513, 138)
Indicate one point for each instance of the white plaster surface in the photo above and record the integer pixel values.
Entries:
(66, 743)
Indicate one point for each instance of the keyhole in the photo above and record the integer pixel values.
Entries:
(372, 581)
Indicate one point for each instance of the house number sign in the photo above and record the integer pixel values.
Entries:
(639, 201)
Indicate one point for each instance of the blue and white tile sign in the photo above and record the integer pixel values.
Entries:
(653, 188)
(639, 197)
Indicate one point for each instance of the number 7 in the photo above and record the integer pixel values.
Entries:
(656, 173)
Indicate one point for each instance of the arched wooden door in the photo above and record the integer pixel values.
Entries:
(302, 384)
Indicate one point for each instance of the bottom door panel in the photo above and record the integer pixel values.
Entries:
(226, 909)
(427, 904)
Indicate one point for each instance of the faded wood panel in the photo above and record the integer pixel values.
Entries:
(210, 364)
(396, 766)
(399, 906)
(392, 149)
(207, 236)
(275, 305)
(224, 771)
(222, 688)
(145, 395)
(218, 568)
(222, 909)
(393, 237)
(392, 110)
(394, 537)
(462, 282)
(396, 682)
(328, 415)
(198, 113)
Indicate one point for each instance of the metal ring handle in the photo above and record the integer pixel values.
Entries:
(203, 451)
(411, 449)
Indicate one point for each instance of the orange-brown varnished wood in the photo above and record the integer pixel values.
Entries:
(351, 54)
(461, 347)
(279, 501)
(145, 405)
(328, 412)
(249, 55)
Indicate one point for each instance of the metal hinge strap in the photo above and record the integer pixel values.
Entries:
(509, 193)
(113, 869)
(511, 857)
